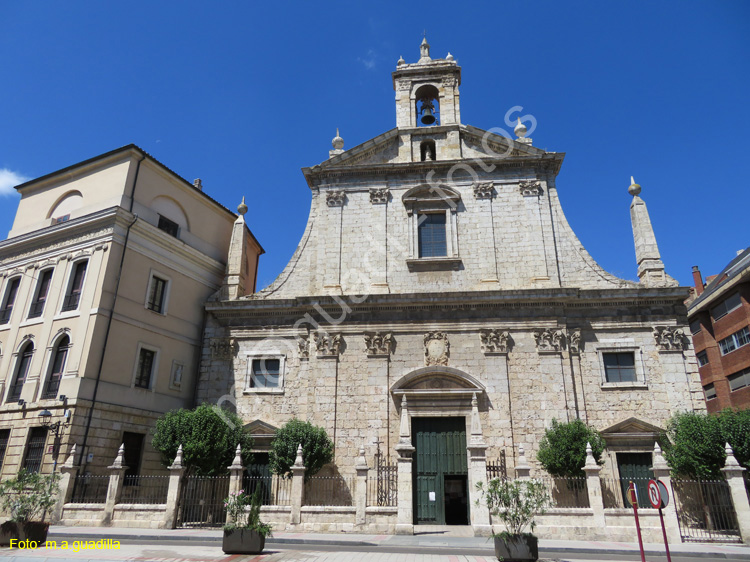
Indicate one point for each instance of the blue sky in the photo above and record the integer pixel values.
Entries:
(245, 94)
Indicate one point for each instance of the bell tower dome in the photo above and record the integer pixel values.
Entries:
(427, 91)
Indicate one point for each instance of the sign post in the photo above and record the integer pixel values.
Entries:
(659, 498)
(633, 499)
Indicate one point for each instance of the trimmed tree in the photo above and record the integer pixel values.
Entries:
(696, 447)
(209, 436)
(562, 450)
(317, 448)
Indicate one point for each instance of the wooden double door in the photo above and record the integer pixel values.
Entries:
(441, 495)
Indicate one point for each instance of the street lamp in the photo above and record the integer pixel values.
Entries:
(45, 417)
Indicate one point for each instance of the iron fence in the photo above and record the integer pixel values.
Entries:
(90, 488)
(567, 492)
(202, 501)
(382, 489)
(145, 489)
(705, 511)
(497, 469)
(273, 489)
(329, 490)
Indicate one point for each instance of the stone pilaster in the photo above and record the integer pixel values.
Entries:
(298, 487)
(68, 473)
(360, 494)
(114, 490)
(594, 487)
(650, 267)
(733, 472)
(405, 450)
(176, 471)
(662, 472)
(523, 470)
(480, 515)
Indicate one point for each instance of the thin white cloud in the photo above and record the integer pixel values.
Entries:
(8, 180)
(369, 60)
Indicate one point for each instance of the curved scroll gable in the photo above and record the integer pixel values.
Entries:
(437, 378)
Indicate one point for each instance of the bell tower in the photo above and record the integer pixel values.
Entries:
(427, 91)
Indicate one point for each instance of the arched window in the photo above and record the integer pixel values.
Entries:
(69, 203)
(22, 370)
(57, 367)
(427, 150)
(428, 106)
(75, 286)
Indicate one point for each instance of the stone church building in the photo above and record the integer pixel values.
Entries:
(440, 309)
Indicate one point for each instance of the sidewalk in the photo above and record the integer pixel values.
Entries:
(434, 538)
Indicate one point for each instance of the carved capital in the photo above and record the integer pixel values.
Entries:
(436, 348)
(669, 338)
(303, 343)
(494, 342)
(484, 190)
(335, 198)
(327, 345)
(530, 188)
(223, 349)
(379, 344)
(548, 340)
(575, 344)
(379, 196)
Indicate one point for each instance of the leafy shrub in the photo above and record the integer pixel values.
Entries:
(317, 448)
(515, 502)
(562, 450)
(28, 494)
(243, 518)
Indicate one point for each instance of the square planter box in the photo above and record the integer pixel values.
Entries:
(243, 541)
(518, 548)
(32, 530)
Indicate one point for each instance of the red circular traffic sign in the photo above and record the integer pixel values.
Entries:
(657, 494)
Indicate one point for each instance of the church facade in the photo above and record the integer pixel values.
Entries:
(438, 295)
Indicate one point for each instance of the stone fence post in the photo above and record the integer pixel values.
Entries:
(734, 474)
(176, 471)
(662, 472)
(594, 487)
(523, 470)
(236, 469)
(298, 487)
(68, 472)
(405, 450)
(360, 494)
(114, 490)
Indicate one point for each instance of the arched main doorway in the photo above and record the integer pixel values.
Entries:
(440, 406)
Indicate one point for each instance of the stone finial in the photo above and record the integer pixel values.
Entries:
(337, 142)
(198, 184)
(400, 61)
(242, 208)
(659, 462)
(361, 460)
(119, 459)
(298, 462)
(634, 188)
(731, 461)
(404, 430)
(520, 129)
(523, 470)
(521, 455)
(70, 462)
(476, 423)
(449, 57)
(424, 51)
(177, 459)
(237, 462)
(590, 460)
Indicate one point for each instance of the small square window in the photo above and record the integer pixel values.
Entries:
(695, 327)
(739, 380)
(710, 391)
(265, 373)
(145, 368)
(168, 226)
(619, 367)
(58, 220)
(702, 357)
(726, 306)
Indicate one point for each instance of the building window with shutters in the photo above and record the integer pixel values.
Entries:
(75, 287)
(40, 296)
(23, 361)
(9, 299)
(145, 367)
(32, 460)
(57, 367)
(4, 440)
(156, 296)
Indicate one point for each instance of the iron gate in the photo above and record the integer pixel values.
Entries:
(202, 501)
(705, 511)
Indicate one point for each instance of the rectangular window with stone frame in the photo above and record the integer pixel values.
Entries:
(4, 440)
(619, 366)
(265, 373)
(32, 460)
(431, 235)
(145, 368)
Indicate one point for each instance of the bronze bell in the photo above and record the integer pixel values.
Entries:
(427, 117)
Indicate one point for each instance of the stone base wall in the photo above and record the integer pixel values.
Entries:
(139, 516)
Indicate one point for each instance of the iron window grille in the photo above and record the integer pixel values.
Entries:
(145, 367)
(4, 439)
(156, 294)
(168, 226)
(35, 449)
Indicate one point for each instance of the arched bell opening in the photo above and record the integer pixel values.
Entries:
(428, 106)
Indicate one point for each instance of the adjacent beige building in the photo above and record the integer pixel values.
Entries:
(102, 280)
